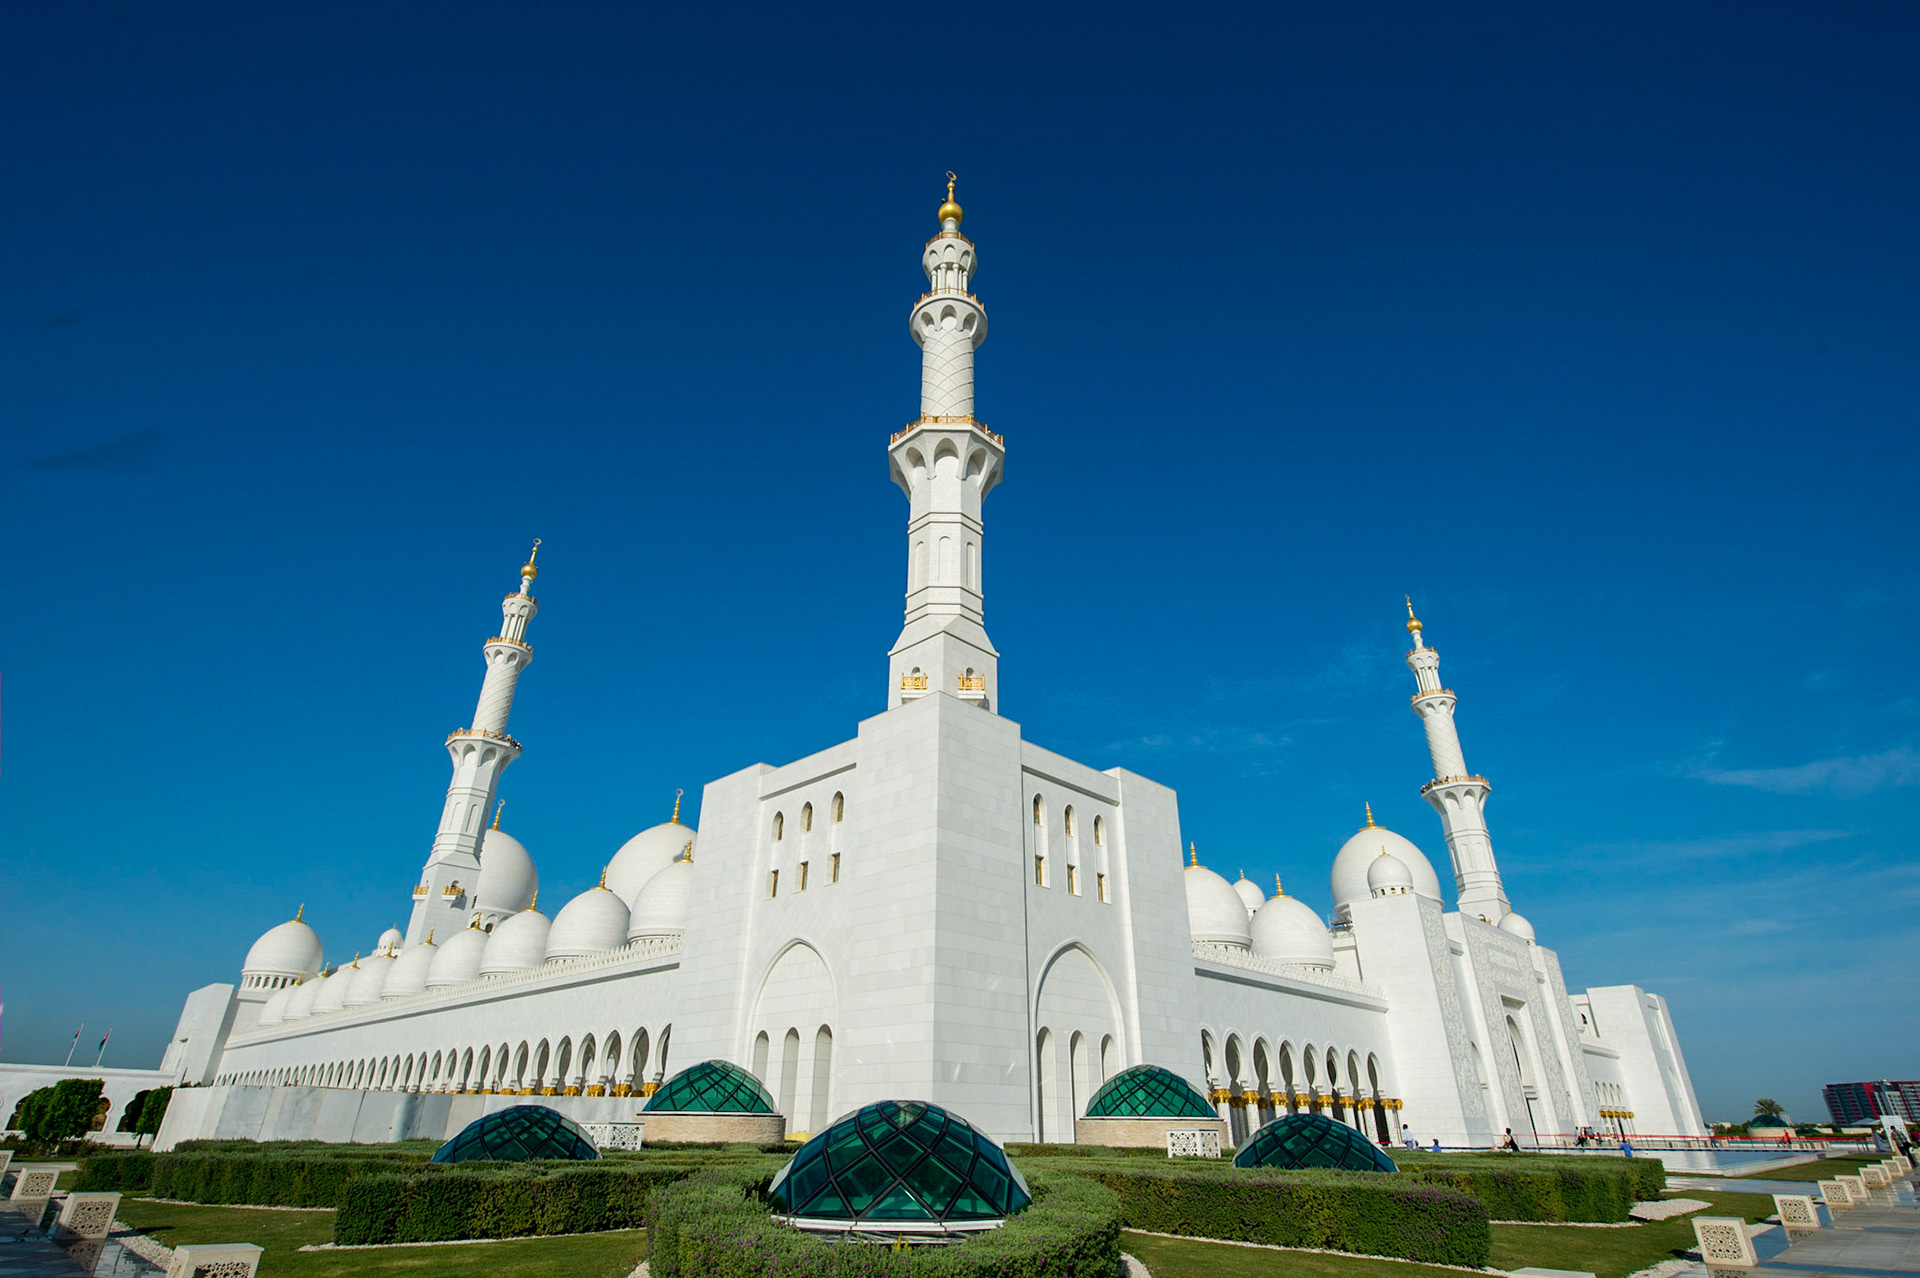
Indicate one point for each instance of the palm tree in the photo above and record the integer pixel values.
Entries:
(1767, 1107)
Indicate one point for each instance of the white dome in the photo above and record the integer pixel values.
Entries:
(300, 1006)
(1516, 925)
(645, 855)
(1215, 911)
(370, 982)
(274, 1010)
(1249, 893)
(1287, 930)
(458, 960)
(333, 991)
(390, 942)
(591, 923)
(508, 881)
(1388, 875)
(289, 949)
(518, 944)
(1357, 855)
(408, 975)
(664, 903)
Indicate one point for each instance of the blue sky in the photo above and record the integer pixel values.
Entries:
(1593, 329)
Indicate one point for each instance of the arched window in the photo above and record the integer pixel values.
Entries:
(839, 808)
(806, 819)
(1068, 814)
(779, 826)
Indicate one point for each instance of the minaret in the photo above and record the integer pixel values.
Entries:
(481, 753)
(1456, 794)
(945, 462)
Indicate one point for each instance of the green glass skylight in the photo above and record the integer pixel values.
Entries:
(516, 1135)
(899, 1165)
(711, 1087)
(1311, 1140)
(1147, 1091)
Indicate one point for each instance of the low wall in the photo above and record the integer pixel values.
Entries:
(347, 1114)
(752, 1129)
(1140, 1133)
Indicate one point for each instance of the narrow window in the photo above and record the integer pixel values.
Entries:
(1073, 879)
(1039, 812)
(1040, 871)
(803, 878)
(773, 883)
(839, 808)
(1069, 817)
(1099, 832)
(833, 875)
(1100, 882)
(806, 819)
(779, 825)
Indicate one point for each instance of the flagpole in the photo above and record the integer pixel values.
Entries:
(75, 1043)
(103, 1047)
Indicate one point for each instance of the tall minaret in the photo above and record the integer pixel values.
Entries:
(1456, 794)
(444, 898)
(945, 462)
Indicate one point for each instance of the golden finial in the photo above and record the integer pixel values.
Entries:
(302, 910)
(603, 878)
(356, 959)
(675, 818)
(1370, 824)
(1193, 849)
(1413, 622)
(496, 813)
(686, 853)
(476, 920)
(1277, 889)
(527, 570)
(429, 940)
(950, 209)
(535, 904)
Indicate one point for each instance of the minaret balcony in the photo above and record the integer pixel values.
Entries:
(1438, 782)
(1418, 697)
(457, 733)
(913, 686)
(521, 644)
(973, 688)
(420, 893)
(961, 419)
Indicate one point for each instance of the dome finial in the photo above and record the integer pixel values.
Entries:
(675, 818)
(1194, 850)
(1413, 622)
(356, 959)
(950, 211)
(686, 853)
(603, 878)
(535, 903)
(1277, 889)
(527, 570)
(302, 910)
(1370, 816)
(496, 813)
(429, 940)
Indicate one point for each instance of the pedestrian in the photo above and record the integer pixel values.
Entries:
(1406, 1137)
(1436, 1144)
(1510, 1145)
(1626, 1147)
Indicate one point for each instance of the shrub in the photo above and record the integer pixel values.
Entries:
(716, 1223)
(119, 1169)
(61, 1112)
(1545, 1187)
(259, 1180)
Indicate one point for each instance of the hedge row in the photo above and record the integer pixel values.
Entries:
(1545, 1187)
(119, 1169)
(716, 1225)
(1341, 1211)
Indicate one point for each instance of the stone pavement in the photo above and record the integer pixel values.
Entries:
(27, 1248)
(1877, 1240)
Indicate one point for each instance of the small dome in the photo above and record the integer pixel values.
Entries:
(645, 855)
(1356, 857)
(390, 943)
(516, 1135)
(508, 880)
(517, 944)
(711, 1087)
(371, 980)
(458, 961)
(408, 975)
(591, 923)
(333, 990)
(1296, 1141)
(288, 949)
(1517, 925)
(1287, 930)
(1215, 911)
(1249, 893)
(300, 1006)
(1389, 876)
(873, 1166)
(1767, 1120)
(1147, 1091)
(274, 1010)
(663, 904)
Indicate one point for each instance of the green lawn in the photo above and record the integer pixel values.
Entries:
(1186, 1258)
(1824, 1169)
(282, 1233)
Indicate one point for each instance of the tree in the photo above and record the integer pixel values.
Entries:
(1767, 1107)
(64, 1111)
(153, 1111)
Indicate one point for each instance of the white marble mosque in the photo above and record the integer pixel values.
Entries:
(935, 908)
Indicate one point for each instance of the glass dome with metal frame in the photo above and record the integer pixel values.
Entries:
(517, 1135)
(711, 1087)
(1294, 1141)
(897, 1168)
(1148, 1091)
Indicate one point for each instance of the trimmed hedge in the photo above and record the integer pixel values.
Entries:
(1543, 1187)
(119, 1169)
(716, 1225)
(259, 1180)
(1369, 1213)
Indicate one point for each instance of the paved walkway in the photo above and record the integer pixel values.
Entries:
(1881, 1240)
(27, 1249)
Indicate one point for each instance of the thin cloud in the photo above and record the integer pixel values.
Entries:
(124, 455)
(1848, 776)
(1713, 847)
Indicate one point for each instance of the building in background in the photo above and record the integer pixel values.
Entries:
(1856, 1103)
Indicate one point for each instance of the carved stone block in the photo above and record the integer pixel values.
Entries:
(1835, 1195)
(88, 1215)
(1724, 1244)
(214, 1260)
(33, 1182)
(1193, 1142)
(1797, 1214)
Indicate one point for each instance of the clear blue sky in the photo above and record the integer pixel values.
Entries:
(1592, 327)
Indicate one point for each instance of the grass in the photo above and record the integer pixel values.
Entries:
(1189, 1258)
(283, 1233)
(1824, 1169)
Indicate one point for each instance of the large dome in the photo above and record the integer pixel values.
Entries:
(1249, 893)
(1215, 911)
(591, 923)
(508, 881)
(458, 960)
(1356, 857)
(1287, 930)
(1148, 1091)
(291, 949)
(408, 975)
(645, 855)
(896, 1166)
(370, 981)
(663, 904)
(518, 944)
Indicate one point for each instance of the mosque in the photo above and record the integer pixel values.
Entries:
(935, 908)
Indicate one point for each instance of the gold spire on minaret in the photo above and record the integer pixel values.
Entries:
(527, 570)
(496, 813)
(1413, 622)
(949, 209)
(675, 818)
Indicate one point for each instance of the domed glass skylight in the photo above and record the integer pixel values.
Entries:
(711, 1087)
(899, 1166)
(517, 1135)
(1147, 1091)
(1311, 1140)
